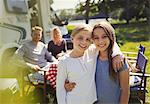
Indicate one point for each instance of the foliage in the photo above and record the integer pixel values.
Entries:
(66, 14)
(70, 28)
(133, 9)
(134, 32)
(121, 9)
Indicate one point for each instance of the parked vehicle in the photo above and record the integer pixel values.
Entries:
(16, 19)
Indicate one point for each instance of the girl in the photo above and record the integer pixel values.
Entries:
(78, 68)
(111, 87)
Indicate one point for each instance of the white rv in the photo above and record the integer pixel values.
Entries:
(16, 19)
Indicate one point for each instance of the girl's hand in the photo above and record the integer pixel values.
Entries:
(69, 86)
(117, 62)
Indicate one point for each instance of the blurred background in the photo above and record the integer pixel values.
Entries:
(130, 18)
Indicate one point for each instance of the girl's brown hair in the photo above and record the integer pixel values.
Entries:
(110, 32)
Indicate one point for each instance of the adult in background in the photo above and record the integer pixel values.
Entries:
(57, 46)
(34, 52)
(35, 55)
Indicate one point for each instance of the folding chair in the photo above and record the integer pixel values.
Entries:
(132, 56)
(37, 83)
(48, 80)
(141, 48)
(138, 91)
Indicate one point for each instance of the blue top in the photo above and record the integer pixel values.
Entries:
(108, 90)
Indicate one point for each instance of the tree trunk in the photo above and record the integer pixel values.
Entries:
(87, 9)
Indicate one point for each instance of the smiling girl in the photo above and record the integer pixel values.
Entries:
(112, 87)
(76, 67)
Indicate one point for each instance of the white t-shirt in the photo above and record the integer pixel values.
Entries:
(81, 71)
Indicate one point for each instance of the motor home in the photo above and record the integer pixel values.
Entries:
(16, 19)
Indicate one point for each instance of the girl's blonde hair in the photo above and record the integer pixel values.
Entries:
(83, 27)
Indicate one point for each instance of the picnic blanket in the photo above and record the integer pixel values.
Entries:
(38, 77)
(51, 75)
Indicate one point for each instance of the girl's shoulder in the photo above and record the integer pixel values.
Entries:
(64, 58)
(92, 50)
(125, 66)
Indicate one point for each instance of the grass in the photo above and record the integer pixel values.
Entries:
(132, 33)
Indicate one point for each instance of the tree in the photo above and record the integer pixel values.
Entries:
(132, 9)
(121, 9)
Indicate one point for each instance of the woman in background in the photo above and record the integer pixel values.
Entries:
(57, 46)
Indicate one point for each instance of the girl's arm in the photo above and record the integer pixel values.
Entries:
(116, 50)
(124, 85)
(61, 77)
(117, 57)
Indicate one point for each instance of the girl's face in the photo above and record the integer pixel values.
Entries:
(82, 40)
(100, 39)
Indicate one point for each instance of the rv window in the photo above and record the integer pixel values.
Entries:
(16, 6)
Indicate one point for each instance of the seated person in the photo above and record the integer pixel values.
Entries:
(34, 52)
(57, 46)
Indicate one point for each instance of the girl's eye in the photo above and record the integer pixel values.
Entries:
(80, 38)
(96, 38)
(88, 40)
(105, 36)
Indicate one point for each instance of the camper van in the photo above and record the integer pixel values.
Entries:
(16, 19)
